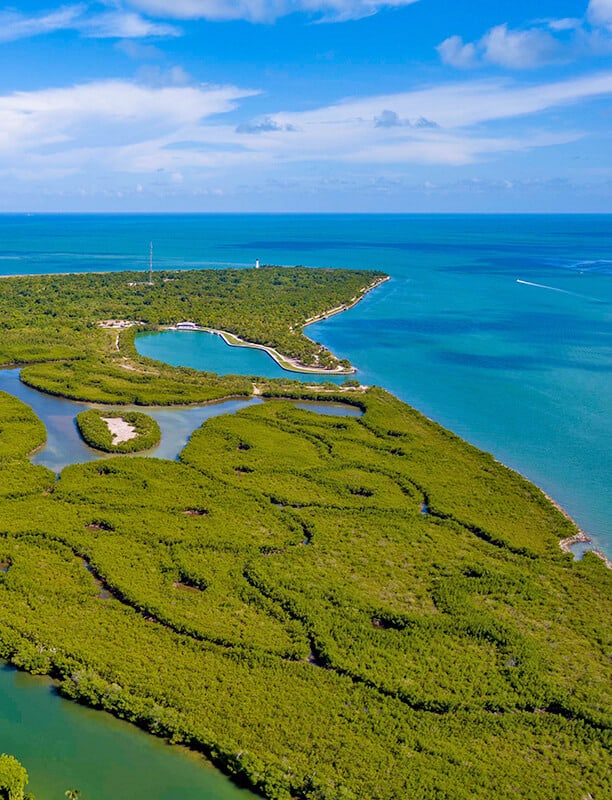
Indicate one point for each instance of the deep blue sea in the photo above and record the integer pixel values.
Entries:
(499, 327)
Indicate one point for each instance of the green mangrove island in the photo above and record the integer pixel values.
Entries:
(329, 608)
(118, 431)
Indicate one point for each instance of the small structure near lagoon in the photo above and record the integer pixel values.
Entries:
(119, 323)
(186, 326)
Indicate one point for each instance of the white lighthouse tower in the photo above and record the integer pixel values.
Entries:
(256, 263)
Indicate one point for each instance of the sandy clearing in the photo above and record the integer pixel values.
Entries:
(121, 430)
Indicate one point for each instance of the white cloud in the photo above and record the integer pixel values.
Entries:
(391, 119)
(138, 51)
(108, 24)
(565, 24)
(600, 12)
(263, 10)
(14, 25)
(516, 49)
(455, 52)
(122, 25)
(75, 117)
(119, 22)
(262, 125)
(544, 41)
(348, 130)
(154, 76)
(520, 49)
(118, 128)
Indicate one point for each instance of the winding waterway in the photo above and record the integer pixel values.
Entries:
(62, 744)
(64, 444)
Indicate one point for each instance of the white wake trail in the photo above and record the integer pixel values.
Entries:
(556, 289)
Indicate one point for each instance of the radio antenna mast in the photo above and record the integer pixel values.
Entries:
(151, 264)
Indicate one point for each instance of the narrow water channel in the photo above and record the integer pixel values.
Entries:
(65, 445)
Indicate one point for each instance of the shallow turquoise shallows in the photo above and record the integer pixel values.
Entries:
(209, 352)
(67, 746)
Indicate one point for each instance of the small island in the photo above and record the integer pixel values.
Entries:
(118, 431)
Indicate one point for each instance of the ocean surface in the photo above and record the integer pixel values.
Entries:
(498, 327)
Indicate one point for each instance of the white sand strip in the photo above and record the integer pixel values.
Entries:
(121, 430)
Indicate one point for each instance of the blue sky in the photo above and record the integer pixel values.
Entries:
(306, 105)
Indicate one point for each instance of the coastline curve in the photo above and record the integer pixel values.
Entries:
(285, 362)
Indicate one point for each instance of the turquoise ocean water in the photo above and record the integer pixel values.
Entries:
(499, 327)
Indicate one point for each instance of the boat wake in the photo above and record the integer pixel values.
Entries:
(556, 289)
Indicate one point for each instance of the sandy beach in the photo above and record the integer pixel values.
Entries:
(121, 430)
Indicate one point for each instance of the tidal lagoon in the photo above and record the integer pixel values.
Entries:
(64, 443)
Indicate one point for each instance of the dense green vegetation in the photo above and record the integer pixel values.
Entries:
(96, 433)
(13, 779)
(54, 319)
(118, 381)
(331, 608)
(21, 433)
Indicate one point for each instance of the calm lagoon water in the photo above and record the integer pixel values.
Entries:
(209, 352)
(66, 746)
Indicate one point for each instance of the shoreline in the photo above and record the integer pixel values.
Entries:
(578, 538)
(339, 309)
(293, 365)
(285, 362)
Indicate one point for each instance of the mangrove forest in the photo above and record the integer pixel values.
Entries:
(327, 607)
